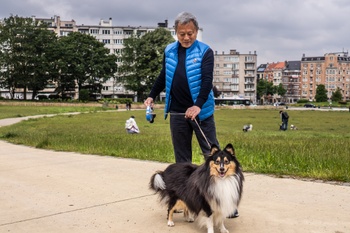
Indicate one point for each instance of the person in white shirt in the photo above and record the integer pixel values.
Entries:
(131, 126)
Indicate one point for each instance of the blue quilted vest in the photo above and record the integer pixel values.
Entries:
(194, 56)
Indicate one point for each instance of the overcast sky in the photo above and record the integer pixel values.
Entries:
(277, 30)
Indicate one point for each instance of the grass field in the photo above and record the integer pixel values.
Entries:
(11, 111)
(320, 149)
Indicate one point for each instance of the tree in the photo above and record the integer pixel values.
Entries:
(24, 54)
(280, 90)
(44, 42)
(265, 88)
(321, 93)
(142, 60)
(84, 60)
(337, 96)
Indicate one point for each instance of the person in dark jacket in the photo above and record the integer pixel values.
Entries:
(284, 118)
(187, 77)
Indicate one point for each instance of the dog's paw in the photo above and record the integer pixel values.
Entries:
(224, 230)
(171, 224)
(190, 219)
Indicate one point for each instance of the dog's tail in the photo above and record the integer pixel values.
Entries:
(157, 183)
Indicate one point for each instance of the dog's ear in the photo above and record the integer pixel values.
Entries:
(229, 148)
(214, 148)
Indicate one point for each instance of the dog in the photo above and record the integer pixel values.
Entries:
(293, 127)
(211, 191)
(247, 128)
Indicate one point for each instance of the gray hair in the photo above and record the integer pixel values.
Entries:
(185, 18)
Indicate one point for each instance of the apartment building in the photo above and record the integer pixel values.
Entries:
(235, 74)
(291, 81)
(273, 72)
(58, 26)
(332, 70)
(286, 73)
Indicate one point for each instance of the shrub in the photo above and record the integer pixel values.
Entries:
(84, 95)
(302, 101)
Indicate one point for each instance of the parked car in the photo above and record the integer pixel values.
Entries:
(279, 104)
(46, 96)
(309, 106)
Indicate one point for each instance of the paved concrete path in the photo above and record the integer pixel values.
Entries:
(54, 192)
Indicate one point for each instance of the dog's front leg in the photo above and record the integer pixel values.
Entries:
(210, 224)
(223, 228)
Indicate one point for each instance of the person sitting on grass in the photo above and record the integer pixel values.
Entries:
(131, 126)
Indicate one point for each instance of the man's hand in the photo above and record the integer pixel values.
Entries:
(149, 102)
(192, 112)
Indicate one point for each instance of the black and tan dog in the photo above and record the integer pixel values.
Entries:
(211, 191)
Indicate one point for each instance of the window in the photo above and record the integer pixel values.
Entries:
(94, 31)
(117, 51)
(64, 33)
(249, 58)
(106, 32)
(118, 41)
(106, 41)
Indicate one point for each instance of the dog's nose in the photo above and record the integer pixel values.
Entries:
(222, 169)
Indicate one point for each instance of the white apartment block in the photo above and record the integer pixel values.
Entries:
(235, 74)
(113, 38)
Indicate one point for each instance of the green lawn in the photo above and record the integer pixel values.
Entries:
(12, 111)
(320, 149)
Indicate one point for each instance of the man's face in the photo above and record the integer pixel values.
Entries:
(186, 34)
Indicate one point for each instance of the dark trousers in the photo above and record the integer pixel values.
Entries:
(182, 131)
(284, 124)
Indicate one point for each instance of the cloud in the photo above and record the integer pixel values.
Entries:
(277, 30)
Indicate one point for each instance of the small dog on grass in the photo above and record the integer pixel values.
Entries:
(293, 127)
(247, 128)
(211, 192)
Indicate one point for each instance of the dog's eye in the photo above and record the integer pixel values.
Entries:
(227, 162)
(217, 162)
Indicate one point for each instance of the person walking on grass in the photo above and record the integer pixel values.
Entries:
(284, 118)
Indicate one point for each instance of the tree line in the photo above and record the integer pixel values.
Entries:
(31, 57)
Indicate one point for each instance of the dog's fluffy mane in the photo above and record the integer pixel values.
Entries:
(203, 193)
